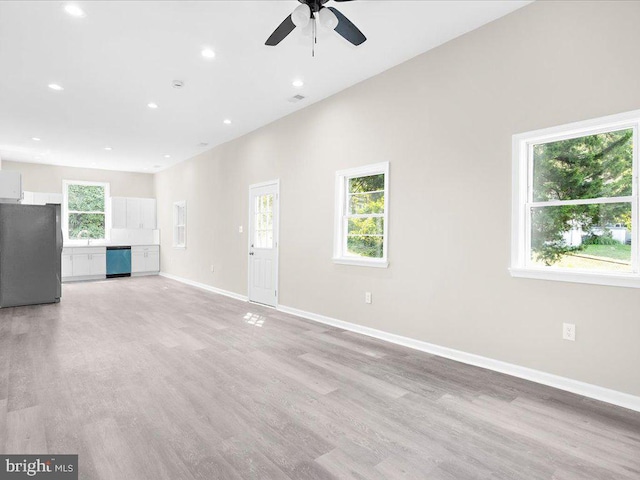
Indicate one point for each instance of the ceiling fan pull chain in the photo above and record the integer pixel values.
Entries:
(314, 40)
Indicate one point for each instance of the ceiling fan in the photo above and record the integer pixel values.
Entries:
(305, 16)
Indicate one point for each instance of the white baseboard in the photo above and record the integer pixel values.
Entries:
(206, 287)
(585, 389)
(86, 278)
(562, 383)
(144, 274)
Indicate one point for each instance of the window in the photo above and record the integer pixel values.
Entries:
(263, 221)
(575, 202)
(84, 212)
(362, 212)
(180, 224)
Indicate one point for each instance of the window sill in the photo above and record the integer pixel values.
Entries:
(361, 262)
(631, 280)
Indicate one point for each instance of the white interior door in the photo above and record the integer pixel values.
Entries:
(263, 243)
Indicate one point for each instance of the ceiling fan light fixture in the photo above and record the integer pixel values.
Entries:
(301, 15)
(327, 18)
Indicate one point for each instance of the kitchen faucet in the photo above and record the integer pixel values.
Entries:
(86, 232)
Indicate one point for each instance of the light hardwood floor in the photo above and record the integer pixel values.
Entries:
(150, 379)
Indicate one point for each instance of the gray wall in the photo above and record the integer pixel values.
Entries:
(37, 177)
(444, 120)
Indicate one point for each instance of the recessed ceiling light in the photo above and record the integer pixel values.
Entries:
(208, 53)
(227, 122)
(74, 10)
(152, 105)
(108, 149)
(35, 139)
(297, 83)
(167, 156)
(55, 86)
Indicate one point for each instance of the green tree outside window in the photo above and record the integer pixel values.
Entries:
(86, 210)
(593, 167)
(365, 216)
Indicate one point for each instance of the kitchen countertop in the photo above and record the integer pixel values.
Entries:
(112, 245)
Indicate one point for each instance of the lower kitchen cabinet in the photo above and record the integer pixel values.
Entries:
(84, 263)
(145, 259)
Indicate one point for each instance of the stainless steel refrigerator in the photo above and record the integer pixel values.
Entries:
(30, 254)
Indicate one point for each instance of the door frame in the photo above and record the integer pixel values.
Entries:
(276, 232)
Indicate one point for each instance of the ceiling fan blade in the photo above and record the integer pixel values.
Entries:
(279, 34)
(347, 29)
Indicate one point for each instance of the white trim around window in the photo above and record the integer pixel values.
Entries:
(65, 212)
(180, 224)
(340, 251)
(523, 202)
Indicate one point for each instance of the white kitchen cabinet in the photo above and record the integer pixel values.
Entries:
(145, 259)
(153, 261)
(84, 263)
(99, 264)
(41, 198)
(133, 213)
(118, 212)
(137, 260)
(148, 213)
(81, 265)
(11, 186)
(67, 264)
(27, 198)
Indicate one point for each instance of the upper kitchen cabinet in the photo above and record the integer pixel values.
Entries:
(10, 186)
(133, 213)
(118, 212)
(148, 212)
(41, 198)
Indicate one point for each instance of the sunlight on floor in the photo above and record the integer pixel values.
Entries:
(254, 319)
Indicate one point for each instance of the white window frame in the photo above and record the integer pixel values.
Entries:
(522, 201)
(340, 230)
(181, 204)
(65, 212)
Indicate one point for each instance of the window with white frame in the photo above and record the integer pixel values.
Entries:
(180, 224)
(84, 210)
(362, 212)
(575, 202)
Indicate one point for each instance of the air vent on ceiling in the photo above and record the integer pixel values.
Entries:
(297, 98)
(203, 144)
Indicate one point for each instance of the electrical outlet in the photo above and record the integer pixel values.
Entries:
(240, 229)
(211, 268)
(569, 331)
(367, 297)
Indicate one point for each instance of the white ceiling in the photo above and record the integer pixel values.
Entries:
(123, 55)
